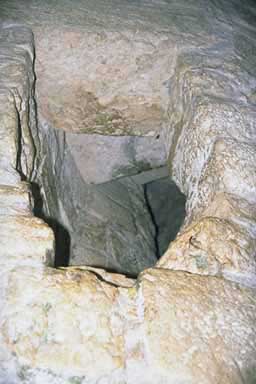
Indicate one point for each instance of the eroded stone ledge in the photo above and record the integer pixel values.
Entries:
(212, 160)
(171, 326)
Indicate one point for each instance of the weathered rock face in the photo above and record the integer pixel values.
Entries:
(102, 221)
(17, 100)
(105, 68)
(174, 326)
(24, 239)
(84, 325)
(212, 112)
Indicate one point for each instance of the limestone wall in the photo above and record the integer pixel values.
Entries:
(212, 159)
(84, 325)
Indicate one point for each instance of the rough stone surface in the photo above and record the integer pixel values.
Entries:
(212, 159)
(105, 69)
(24, 239)
(82, 325)
(17, 103)
(172, 327)
(102, 221)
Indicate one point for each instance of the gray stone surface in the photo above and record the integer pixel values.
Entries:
(103, 158)
(167, 207)
(108, 225)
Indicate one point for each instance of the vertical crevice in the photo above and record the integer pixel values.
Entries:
(61, 234)
(158, 255)
(18, 165)
(166, 205)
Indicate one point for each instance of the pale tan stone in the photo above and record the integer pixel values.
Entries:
(112, 278)
(216, 247)
(17, 100)
(87, 326)
(197, 329)
(25, 240)
(8, 139)
(174, 327)
(69, 324)
(16, 200)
